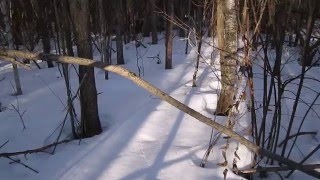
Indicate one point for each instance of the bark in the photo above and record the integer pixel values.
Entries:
(199, 37)
(227, 36)
(154, 22)
(169, 26)
(119, 25)
(90, 122)
(157, 92)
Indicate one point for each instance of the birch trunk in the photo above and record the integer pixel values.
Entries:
(227, 35)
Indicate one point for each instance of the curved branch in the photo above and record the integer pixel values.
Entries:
(295, 135)
(156, 91)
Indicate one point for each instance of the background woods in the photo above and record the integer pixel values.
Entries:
(247, 69)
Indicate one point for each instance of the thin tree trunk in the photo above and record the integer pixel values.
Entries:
(189, 23)
(305, 61)
(182, 11)
(199, 37)
(103, 34)
(154, 22)
(119, 43)
(44, 27)
(147, 19)
(169, 26)
(5, 8)
(67, 49)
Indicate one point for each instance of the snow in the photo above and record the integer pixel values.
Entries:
(143, 137)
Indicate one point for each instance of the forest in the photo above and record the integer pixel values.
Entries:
(159, 89)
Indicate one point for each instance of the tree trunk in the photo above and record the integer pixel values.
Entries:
(44, 28)
(227, 37)
(169, 26)
(90, 123)
(188, 23)
(103, 34)
(119, 44)
(147, 19)
(199, 34)
(182, 12)
(5, 9)
(154, 22)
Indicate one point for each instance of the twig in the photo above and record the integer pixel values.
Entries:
(18, 111)
(4, 144)
(32, 151)
(306, 158)
(295, 135)
(19, 162)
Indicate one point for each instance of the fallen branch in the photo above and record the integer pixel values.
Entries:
(12, 60)
(275, 169)
(155, 91)
(32, 151)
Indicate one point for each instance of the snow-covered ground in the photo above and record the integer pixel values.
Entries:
(143, 137)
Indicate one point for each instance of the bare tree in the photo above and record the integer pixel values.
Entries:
(90, 122)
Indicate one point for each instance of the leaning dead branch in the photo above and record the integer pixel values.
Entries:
(156, 91)
(12, 60)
